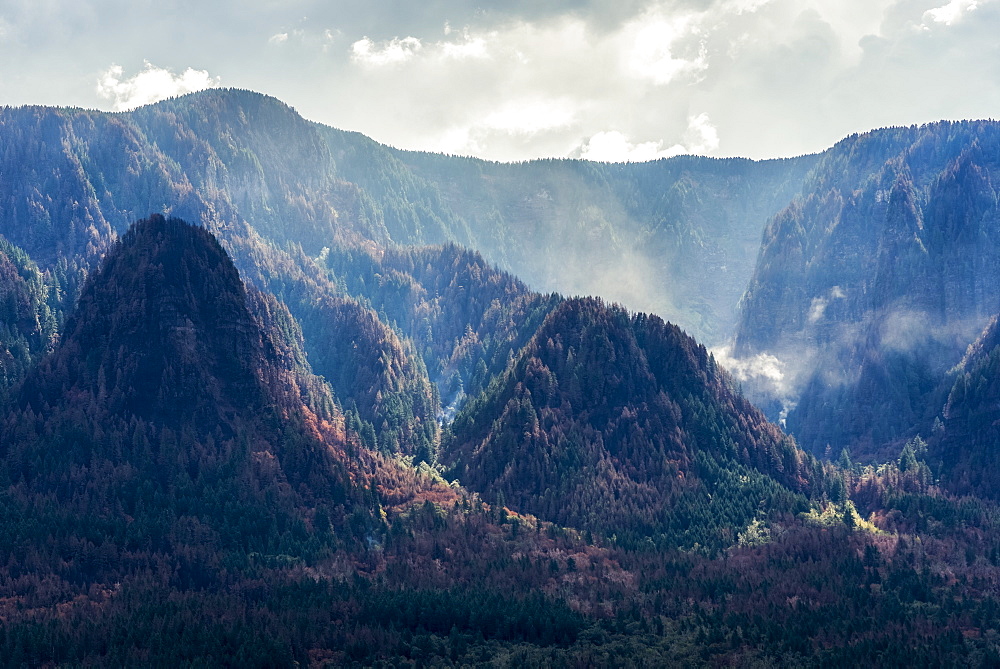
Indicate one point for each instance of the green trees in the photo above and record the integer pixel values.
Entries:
(158, 406)
(620, 424)
(202, 471)
(29, 304)
(876, 278)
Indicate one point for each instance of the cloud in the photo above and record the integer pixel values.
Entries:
(746, 6)
(555, 88)
(661, 47)
(613, 146)
(816, 308)
(950, 13)
(469, 47)
(529, 117)
(702, 137)
(367, 53)
(776, 77)
(762, 365)
(150, 85)
(819, 304)
(519, 119)
(636, 82)
(767, 380)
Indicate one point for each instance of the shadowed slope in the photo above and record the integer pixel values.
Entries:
(623, 424)
(157, 411)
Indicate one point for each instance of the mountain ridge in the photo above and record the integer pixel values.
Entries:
(876, 274)
(270, 487)
(622, 424)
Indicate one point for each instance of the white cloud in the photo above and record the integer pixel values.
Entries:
(529, 117)
(150, 85)
(394, 52)
(776, 77)
(541, 86)
(819, 304)
(614, 147)
(369, 54)
(649, 78)
(657, 51)
(701, 138)
(519, 119)
(279, 38)
(767, 378)
(469, 47)
(746, 6)
(816, 308)
(952, 12)
(763, 365)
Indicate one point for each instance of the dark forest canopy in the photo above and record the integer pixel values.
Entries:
(173, 458)
(334, 421)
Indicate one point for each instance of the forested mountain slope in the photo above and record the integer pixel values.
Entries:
(173, 464)
(232, 449)
(962, 447)
(871, 284)
(157, 416)
(463, 315)
(676, 237)
(624, 425)
(28, 321)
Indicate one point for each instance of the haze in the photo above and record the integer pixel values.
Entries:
(599, 79)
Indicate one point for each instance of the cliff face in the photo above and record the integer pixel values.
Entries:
(872, 283)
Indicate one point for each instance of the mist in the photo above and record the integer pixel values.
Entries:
(843, 371)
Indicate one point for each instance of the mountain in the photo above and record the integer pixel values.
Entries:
(962, 447)
(174, 462)
(155, 413)
(333, 425)
(624, 425)
(870, 285)
(179, 486)
(464, 316)
(677, 237)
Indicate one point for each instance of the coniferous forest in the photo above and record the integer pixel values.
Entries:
(273, 394)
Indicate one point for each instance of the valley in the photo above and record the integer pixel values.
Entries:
(274, 393)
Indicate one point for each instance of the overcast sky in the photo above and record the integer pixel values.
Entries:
(601, 79)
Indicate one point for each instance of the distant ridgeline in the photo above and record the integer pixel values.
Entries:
(332, 420)
(677, 236)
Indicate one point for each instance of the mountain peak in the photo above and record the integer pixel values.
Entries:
(162, 330)
(158, 390)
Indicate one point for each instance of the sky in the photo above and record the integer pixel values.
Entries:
(597, 79)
